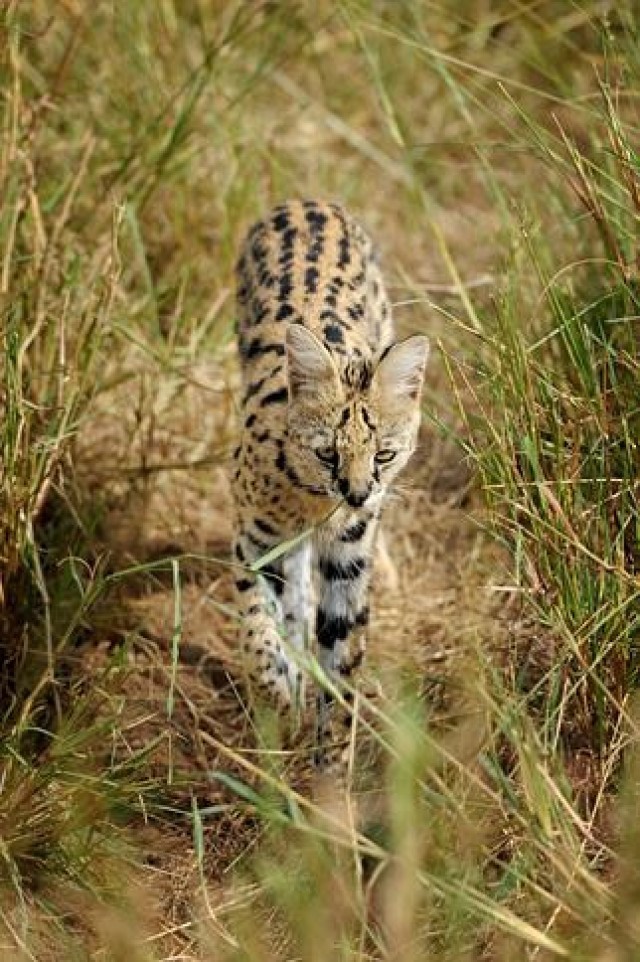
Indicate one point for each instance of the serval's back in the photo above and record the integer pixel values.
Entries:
(331, 409)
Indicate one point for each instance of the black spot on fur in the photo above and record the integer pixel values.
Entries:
(355, 532)
(286, 286)
(281, 221)
(334, 334)
(284, 311)
(257, 386)
(289, 238)
(258, 250)
(259, 311)
(344, 252)
(293, 476)
(315, 251)
(316, 220)
(264, 526)
(311, 276)
(332, 628)
(362, 618)
(334, 570)
(256, 349)
(273, 574)
(366, 417)
(281, 396)
(244, 584)
(253, 389)
(260, 545)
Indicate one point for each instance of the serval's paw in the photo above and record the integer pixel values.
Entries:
(274, 676)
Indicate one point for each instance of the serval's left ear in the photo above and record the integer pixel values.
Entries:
(310, 367)
(400, 374)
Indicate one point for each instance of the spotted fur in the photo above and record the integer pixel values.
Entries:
(330, 409)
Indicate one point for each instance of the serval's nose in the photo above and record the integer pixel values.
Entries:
(354, 496)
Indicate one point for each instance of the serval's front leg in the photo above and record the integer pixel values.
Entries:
(344, 558)
(297, 597)
(271, 670)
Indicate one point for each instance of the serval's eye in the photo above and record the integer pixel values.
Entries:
(385, 456)
(327, 455)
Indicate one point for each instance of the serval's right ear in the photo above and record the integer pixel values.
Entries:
(400, 373)
(311, 369)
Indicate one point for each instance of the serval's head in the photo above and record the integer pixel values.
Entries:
(351, 431)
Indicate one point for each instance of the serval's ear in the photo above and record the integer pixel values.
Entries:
(310, 365)
(400, 374)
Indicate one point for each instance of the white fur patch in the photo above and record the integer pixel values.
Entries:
(297, 599)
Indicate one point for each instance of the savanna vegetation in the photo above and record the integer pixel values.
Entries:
(491, 148)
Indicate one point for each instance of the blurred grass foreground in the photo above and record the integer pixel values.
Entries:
(492, 150)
